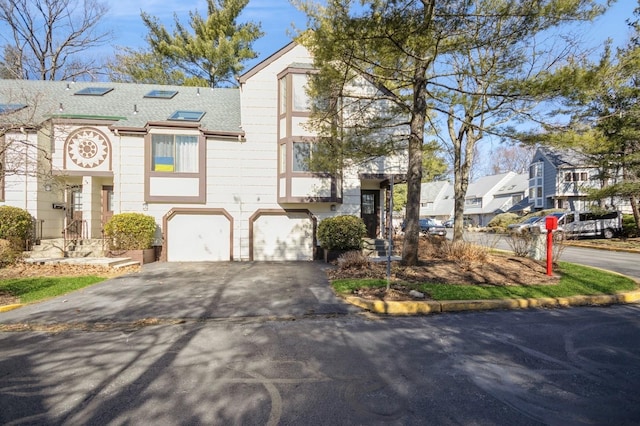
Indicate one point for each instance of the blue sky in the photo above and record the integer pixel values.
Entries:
(277, 18)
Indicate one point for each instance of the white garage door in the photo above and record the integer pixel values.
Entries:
(283, 237)
(198, 237)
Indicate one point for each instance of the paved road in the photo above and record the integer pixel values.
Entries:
(578, 366)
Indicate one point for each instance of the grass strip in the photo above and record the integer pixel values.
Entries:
(39, 288)
(575, 280)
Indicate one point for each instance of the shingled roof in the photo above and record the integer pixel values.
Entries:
(125, 105)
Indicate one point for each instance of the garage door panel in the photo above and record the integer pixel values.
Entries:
(198, 237)
(283, 237)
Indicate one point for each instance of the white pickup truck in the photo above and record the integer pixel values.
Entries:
(586, 224)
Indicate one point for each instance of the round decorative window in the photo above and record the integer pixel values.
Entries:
(87, 148)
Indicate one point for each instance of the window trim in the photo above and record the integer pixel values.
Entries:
(150, 174)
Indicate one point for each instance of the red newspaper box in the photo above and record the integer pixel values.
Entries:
(551, 223)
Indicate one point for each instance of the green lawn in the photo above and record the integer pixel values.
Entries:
(35, 289)
(574, 280)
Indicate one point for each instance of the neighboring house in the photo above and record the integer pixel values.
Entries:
(436, 200)
(223, 171)
(486, 197)
(559, 179)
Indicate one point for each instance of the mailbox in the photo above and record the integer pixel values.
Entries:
(551, 223)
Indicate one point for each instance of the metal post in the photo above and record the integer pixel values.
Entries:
(549, 252)
(390, 235)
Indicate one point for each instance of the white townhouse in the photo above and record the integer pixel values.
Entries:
(223, 171)
(486, 197)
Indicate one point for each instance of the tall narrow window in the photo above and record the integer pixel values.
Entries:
(301, 156)
(301, 101)
(283, 158)
(283, 95)
(174, 153)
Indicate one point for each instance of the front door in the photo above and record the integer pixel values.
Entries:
(370, 211)
(74, 227)
(107, 204)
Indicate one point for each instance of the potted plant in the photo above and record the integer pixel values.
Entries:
(131, 235)
(340, 234)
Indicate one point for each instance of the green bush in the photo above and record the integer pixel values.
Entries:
(503, 220)
(341, 233)
(130, 231)
(9, 254)
(15, 226)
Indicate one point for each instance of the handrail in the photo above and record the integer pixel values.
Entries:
(74, 231)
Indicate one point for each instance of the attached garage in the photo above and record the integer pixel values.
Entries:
(195, 235)
(282, 235)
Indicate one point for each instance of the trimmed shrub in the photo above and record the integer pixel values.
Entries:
(9, 254)
(15, 226)
(130, 231)
(341, 233)
(503, 220)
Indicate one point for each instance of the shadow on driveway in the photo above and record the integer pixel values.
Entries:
(199, 290)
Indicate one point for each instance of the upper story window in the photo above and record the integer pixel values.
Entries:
(475, 201)
(174, 153)
(301, 156)
(576, 176)
(301, 102)
(283, 95)
(293, 96)
(535, 170)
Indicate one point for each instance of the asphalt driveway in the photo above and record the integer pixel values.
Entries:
(200, 290)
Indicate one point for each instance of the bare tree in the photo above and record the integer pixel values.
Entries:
(510, 158)
(20, 153)
(47, 39)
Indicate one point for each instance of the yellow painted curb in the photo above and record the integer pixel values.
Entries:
(6, 308)
(395, 308)
(427, 307)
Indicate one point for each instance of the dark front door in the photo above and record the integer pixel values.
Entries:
(370, 211)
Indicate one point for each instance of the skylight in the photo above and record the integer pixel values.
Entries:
(187, 116)
(161, 94)
(8, 108)
(94, 91)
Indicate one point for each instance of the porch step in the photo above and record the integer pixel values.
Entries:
(55, 248)
(374, 247)
(47, 248)
(85, 248)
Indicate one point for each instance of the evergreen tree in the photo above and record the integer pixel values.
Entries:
(209, 53)
(462, 69)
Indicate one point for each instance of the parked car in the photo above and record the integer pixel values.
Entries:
(525, 225)
(430, 227)
(575, 224)
(467, 222)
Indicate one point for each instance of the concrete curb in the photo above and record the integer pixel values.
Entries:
(428, 307)
(6, 308)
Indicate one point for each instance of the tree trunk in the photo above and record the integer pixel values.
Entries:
(636, 211)
(414, 171)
